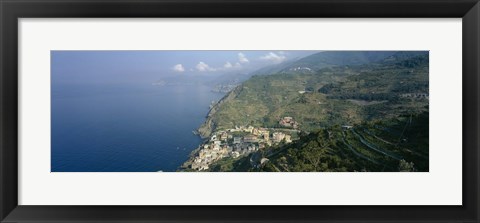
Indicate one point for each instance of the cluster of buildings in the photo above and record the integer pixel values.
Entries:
(301, 69)
(210, 153)
(288, 122)
(234, 143)
(280, 136)
(415, 95)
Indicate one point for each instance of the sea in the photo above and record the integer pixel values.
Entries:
(126, 127)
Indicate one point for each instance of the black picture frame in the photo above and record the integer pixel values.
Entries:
(12, 10)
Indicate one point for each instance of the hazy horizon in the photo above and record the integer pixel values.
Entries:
(117, 67)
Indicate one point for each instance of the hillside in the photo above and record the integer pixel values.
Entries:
(399, 144)
(346, 111)
(326, 59)
(347, 94)
(341, 58)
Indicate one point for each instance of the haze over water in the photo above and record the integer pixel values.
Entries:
(106, 114)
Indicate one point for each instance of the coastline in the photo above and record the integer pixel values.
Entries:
(209, 126)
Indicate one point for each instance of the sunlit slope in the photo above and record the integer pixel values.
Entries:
(336, 95)
(399, 144)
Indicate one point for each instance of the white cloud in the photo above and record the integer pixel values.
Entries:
(178, 68)
(227, 65)
(275, 58)
(204, 67)
(242, 58)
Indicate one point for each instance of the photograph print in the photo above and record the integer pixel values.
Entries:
(239, 111)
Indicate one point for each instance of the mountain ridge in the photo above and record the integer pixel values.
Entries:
(338, 76)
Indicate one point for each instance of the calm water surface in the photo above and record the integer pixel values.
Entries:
(126, 128)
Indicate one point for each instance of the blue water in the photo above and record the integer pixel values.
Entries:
(126, 128)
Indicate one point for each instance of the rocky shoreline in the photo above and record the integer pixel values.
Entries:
(209, 126)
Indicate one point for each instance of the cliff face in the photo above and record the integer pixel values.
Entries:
(206, 129)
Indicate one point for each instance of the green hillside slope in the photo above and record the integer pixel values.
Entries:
(335, 95)
(353, 111)
(399, 144)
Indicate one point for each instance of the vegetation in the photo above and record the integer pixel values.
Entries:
(399, 144)
(382, 95)
(338, 95)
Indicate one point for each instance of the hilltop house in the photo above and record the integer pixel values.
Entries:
(224, 136)
(346, 127)
(237, 140)
(250, 139)
(288, 122)
(278, 136)
(288, 138)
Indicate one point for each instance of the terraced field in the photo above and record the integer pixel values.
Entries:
(382, 104)
(399, 144)
(382, 146)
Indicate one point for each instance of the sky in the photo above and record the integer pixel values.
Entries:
(88, 67)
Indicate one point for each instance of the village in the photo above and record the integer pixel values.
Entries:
(241, 141)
